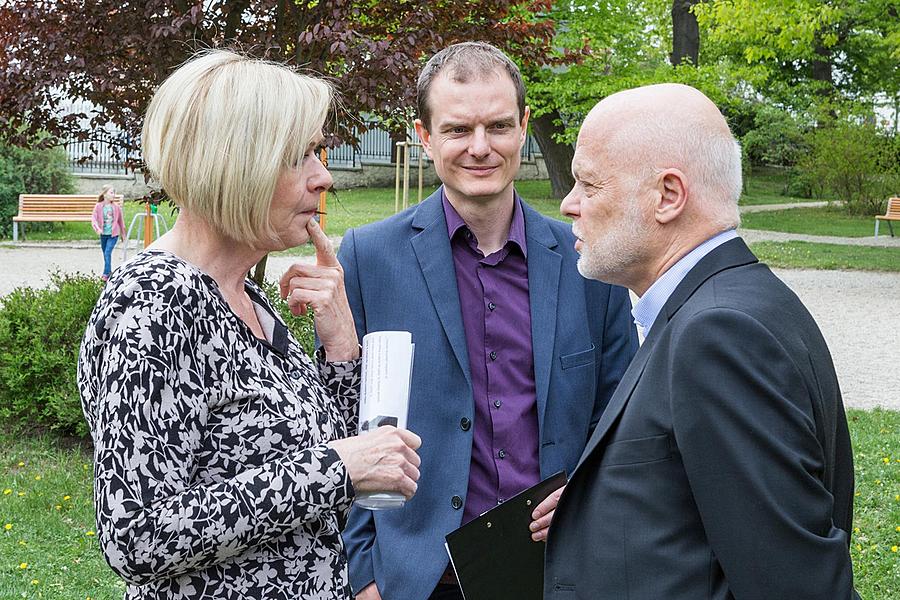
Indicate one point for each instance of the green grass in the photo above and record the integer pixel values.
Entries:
(809, 255)
(49, 533)
(824, 220)
(355, 207)
(352, 208)
(876, 515)
(768, 185)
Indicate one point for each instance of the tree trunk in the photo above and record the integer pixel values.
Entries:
(685, 33)
(822, 68)
(557, 156)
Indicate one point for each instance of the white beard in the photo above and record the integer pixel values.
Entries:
(614, 251)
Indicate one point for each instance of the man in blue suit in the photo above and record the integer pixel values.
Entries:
(516, 354)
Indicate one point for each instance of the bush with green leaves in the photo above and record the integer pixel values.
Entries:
(30, 171)
(40, 332)
(855, 162)
(777, 138)
(301, 326)
(40, 335)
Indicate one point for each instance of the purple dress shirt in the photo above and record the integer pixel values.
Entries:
(496, 315)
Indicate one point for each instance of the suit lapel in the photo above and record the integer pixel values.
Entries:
(431, 245)
(543, 293)
(733, 253)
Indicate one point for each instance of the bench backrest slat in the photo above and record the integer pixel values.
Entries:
(62, 204)
(893, 208)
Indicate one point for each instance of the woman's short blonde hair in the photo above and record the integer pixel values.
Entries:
(221, 129)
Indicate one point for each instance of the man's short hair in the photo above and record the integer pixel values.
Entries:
(465, 61)
(220, 131)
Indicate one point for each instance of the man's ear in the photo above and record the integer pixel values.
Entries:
(524, 123)
(424, 137)
(673, 195)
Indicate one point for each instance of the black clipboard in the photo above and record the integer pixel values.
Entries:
(494, 556)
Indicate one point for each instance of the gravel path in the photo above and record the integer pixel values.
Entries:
(857, 311)
(768, 207)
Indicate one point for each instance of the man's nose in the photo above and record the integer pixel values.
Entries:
(479, 145)
(569, 205)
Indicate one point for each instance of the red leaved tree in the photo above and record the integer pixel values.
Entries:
(114, 54)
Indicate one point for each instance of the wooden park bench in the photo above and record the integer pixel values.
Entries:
(54, 207)
(891, 214)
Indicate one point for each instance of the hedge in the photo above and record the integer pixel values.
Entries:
(40, 334)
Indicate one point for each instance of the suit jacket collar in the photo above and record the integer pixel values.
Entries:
(731, 254)
(544, 268)
(431, 244)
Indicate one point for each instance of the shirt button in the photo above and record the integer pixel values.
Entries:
(465, 424)
(296, 375)
(493, 355)
(502, 454)
(491, 306)
(498, 403)
(456, 502)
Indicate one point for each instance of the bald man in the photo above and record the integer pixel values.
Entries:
(721, 468)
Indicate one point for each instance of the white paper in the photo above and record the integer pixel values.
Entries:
(387, 359)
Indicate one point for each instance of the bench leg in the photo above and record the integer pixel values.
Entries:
(891, 228)
(15, 231)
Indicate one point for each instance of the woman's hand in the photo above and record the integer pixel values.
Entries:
(321, 287)
(383, 460)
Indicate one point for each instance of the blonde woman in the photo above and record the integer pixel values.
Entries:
(108, 222)
(222, 463)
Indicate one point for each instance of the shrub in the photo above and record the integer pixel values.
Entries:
(26, 171)
(856, 163)
(40, 335)
(40, 332)
(777, 138)
(302, 326)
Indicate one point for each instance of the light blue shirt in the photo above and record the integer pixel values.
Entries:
(647, 308)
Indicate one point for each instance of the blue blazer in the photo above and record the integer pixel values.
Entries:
(399, 275)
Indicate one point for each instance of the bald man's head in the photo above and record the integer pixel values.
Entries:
(657, 127)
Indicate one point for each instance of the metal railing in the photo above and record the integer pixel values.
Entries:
(107, 154)
(110, 154)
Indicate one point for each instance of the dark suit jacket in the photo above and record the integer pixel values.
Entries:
(722, 467)
(399, 274)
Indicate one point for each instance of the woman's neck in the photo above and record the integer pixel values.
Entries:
(225, 260)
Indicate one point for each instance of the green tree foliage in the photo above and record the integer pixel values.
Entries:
(25, 171)
(799, 52)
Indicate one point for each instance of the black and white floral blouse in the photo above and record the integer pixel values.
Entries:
(212, 474)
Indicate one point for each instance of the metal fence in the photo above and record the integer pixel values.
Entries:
(375, 147)
(108, 154)
(111, 153)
